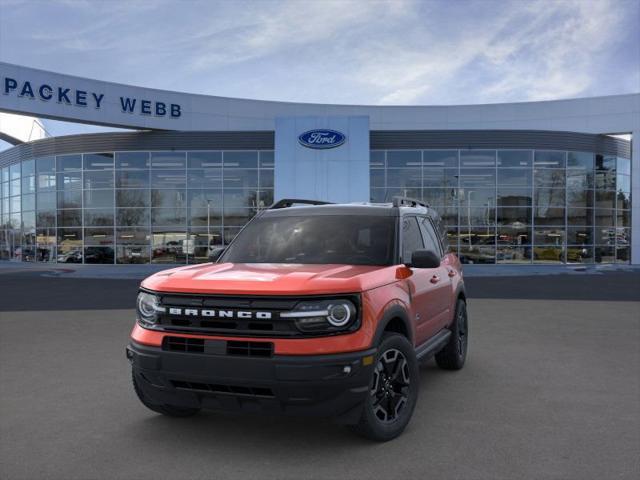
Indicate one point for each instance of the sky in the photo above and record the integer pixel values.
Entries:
(395, 52)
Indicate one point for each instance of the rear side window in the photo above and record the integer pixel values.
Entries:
(431, 241)
(441, 230)
(411, 238)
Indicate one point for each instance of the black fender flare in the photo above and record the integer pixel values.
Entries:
(391, 312)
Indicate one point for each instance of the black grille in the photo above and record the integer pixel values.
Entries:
(228, 389)
(250, 349)
(181, 344)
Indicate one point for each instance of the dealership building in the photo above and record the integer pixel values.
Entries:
(516, 183)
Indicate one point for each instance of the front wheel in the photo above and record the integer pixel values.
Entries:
(454, 354)
(393, 391)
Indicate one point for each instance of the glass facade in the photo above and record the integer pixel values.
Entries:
(517, 206)
(500, 206)
(130, 207)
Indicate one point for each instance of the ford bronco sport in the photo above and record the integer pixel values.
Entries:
(313, 309)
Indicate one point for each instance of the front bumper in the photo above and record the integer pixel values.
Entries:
(319, 385)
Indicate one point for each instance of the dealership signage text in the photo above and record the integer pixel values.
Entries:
(82, 98)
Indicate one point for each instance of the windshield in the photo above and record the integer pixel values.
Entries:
(352, 240)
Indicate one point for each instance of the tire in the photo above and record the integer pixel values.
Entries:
(168, 410)
(396, 359)
(454, 353)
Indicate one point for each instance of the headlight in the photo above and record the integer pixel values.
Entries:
(323, 316)
(148, 307)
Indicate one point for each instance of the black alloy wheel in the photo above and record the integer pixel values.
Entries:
(391, 383)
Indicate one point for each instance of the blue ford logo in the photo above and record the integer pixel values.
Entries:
(322, 138)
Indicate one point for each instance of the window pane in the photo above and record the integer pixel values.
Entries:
(28, 184)
(514, 176)
(376, 159)
(517, 197)
(169, 217)
(549, 159)
(583, 160)
(98, 199)
(514, 216)
(477, 177)
(46, 219)
(605, 217)
(132, 179)
(172, 198)
(514, 234)
(44, 165)
(548, 216)
(240, 159)
(266, 179)
(206, 178)
(132, 160)
(605, 254)
(477, 158)
(175, 160)
(623, 166)
(605, 199)
(28, 168)
(515, 158)
(440, 159)
(404, 177)
(548, 254)
(549, 178)
(70, 218)
(579, 216)
(99, 254)
(69, 162)
(132, 216)
(132, 198)
(98, 217)
(605, 163)
(549, 236)
(47, 201)
(70, 180)
(238, 178)
(580, 236)
(579, 178)
(440, 177)
(266, 159)
(579, 198)
(512, 254)
(583, 254)
(98, 179)
(483, 251)
(439, 196)
(204, 159)
(168, 179)
(376, 178)
(70, 199)
(132, 254)
(238, 217)
(29, 202)
(97, 161)
(133, 236)
(404, 158)
(46, 181)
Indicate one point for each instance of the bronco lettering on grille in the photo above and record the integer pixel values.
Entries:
(194, 312)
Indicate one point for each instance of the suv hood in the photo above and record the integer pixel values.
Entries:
(270, 279)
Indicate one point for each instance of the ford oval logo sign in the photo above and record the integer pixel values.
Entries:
(322, 138)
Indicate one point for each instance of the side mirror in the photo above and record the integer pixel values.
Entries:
(424, 259)
(215, 254)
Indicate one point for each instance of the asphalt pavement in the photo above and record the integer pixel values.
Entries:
(551, 390)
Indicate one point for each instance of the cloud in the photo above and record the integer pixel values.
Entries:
(337, 51)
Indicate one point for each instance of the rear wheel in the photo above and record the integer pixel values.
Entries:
(169, 410)
(454, 354)
(393, 390)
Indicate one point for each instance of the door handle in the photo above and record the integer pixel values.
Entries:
(435, 279)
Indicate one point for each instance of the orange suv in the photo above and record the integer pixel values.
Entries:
(313, 309)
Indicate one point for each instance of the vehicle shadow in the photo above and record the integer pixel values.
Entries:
(233, 434)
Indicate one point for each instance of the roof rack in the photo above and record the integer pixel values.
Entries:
(408, 202)
(290, 202)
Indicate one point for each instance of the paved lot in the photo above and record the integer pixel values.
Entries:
(551, 390)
